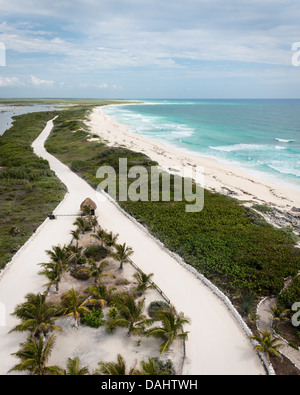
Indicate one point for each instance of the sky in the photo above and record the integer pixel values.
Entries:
(141, 49)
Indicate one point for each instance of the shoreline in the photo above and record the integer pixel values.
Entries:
(219, 177)
(282, 202)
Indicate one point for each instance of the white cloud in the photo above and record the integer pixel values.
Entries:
(38, 82)
(10, 82)
(103, 86)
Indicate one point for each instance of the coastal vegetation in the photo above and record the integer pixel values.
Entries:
(28, 188)
(67, 102)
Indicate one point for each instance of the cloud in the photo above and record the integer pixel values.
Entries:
(122, 40)
(118, 34)
(38, 82)
(10, 82)
(102, 86)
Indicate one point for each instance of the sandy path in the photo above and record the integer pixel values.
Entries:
(216, 345)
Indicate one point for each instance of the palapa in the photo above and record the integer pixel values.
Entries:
(88, 203)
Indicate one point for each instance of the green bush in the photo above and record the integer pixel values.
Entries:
(166, 367)
(94, 318)
(82, 274)
(157, 305)
(78, 165)
(96, 252)
(291, 294)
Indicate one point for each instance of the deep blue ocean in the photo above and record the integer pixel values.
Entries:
(259, 136)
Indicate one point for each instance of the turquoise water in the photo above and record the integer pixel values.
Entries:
(260, 136)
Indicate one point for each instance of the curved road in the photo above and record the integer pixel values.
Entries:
(216, 345)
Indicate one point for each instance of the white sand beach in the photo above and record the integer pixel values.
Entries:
(217, 343)
(219, 177)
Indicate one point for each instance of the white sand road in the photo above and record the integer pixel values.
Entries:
(216, 343)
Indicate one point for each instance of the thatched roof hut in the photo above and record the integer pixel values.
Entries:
(88, 204)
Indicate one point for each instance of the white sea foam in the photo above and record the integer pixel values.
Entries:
(283, 140)
(279, 147)
(246, 147)
(284, 168)
(240, 147)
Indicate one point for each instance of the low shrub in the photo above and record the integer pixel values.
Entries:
(94, 319)
(156, 306)
(82, 274)
(291, 294)
(96, 252)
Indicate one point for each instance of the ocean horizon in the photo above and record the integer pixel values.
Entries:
(259, 136)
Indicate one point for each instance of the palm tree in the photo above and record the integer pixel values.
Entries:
(122, 254)
(54, 269)
(171, 327)
(34, 355)
(278, 314)
(93, 220)
(59, 255)
(100, 235)
(116, 368)
(100, 294)
(81, 224)
(110, 240)
(73, 368)
(96, 270)
(37, 315)
(143, 282)
(112, 323)
(266, 343)
(73, 304)
(75, 253)
(131, 313)
(75, 234)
